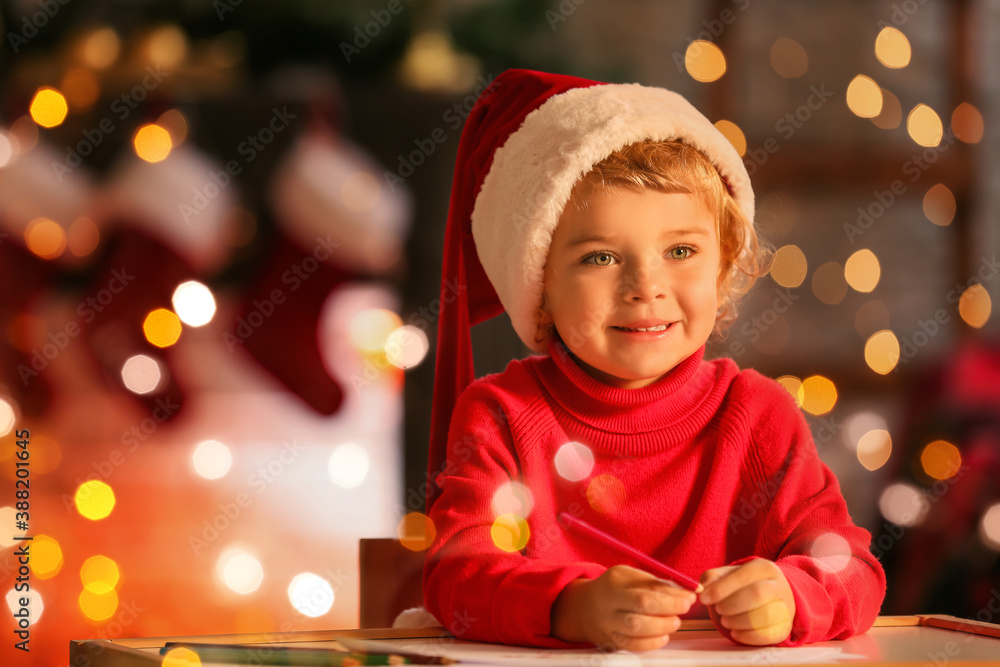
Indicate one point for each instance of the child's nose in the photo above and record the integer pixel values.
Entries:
(644, 284)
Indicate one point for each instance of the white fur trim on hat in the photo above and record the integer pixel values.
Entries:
(533, 174)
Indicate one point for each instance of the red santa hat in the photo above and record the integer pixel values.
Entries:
(527, 141)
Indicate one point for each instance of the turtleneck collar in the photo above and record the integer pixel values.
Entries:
(679, 401)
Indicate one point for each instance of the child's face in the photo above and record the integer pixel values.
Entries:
(633, 259)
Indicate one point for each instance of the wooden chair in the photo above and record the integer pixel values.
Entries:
(391, 581)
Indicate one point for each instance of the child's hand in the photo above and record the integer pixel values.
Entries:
(753, 601)
(624, 608)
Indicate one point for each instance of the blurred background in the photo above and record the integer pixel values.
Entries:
(220, 241)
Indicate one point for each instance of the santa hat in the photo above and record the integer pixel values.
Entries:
(527, 141)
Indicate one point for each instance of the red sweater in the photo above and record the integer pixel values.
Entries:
(709, 466)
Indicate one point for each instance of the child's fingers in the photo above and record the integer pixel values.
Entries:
(632, 624)
(661, 601)
(731, 581)
(771, 614)
(753, 596)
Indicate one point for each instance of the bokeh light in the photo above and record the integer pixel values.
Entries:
(48, 107)
(407, 346)
(882, 351)
(789, 266)
(100, 48)
(100, 574)
(166, 46)
(828, 283)
(513, 498)
(83, 237)
(348, 465)
(35, 603)
(181, 656)
(141, 374)
(734, 134)
(7, 416)
(45, 238)
(788, 58)
(416, 531)
(194, 304)
(162, 327)
(152, 143)
(510, 532)
(310, 594)
(967, 123)
(989, 527)
(891, 114)
(862, 270)
(975, 306)
(940, 459)
(874, 449)
(239, 571)
(370, 329)
(939, 205)
(704, 61)
(819, 395)
(924, 126)
(903, 504)
(211, 459)
(46, 557)
(892, 48)
(94, 500)
(98, 606)
(8, 518)
(831, 552)
(793, 386)
(574, 461)
(360, 192)
(176, 125)
(864, 97)
(861, 423)
(606, 494)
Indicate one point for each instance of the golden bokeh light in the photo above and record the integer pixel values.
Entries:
(924, 126)
(83, 237)
(162, 327)
(828, 283)
(98, 606)
(940, 459)
(100, 48)
(967, 123)
(734, 134)
(416, 531)
(789, 266)
(48, 107)
(892, 48)
(939, 205)
(510, 532)
(864, 97)
(882, 351)
(606, 494)
(862, 270)
(975, 306)
(181, 656)
(891, 114)
(45, 238)
(788, 58)
(874, 449)
(152, 143)
(46, 557)
(80, 87)
(513, 498)
(370, 329)
(167, 47)
(819, 395)
(793, 386)
(100, 574)
(704, 61)
(94, 500)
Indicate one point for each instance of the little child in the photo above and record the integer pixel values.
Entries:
(614, 224)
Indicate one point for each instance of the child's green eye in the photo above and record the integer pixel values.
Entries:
(601, 259)
(680, 252)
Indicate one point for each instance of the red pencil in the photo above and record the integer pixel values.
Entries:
(626, 551)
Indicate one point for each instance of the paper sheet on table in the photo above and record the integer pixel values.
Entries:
(711, 650)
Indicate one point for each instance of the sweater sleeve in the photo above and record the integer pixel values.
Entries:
(472, 585)
(838, 585)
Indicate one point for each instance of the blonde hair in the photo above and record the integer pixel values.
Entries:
(673, 166)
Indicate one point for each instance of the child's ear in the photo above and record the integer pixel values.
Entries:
(544, 323)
